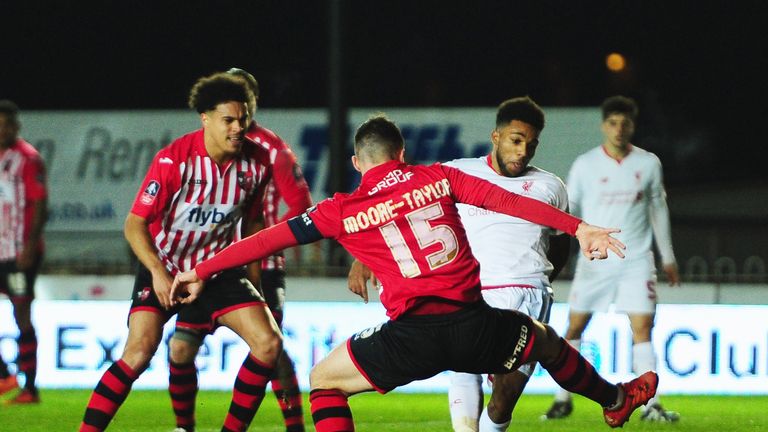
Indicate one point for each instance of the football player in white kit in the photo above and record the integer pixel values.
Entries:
(517, 258)
(618, 184)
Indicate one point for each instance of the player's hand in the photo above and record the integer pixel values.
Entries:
(161, 283)
(186, 287)
(358, 278)
(673, 276)
(595, 241)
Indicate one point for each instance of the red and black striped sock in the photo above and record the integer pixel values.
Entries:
(182, 385)
(575, 374)
(252, 379)
(107, 397)
(28, 358)
(330, 411)
(289, 398)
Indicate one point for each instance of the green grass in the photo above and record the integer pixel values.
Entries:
(62, 410)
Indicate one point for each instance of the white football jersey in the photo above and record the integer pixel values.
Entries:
(628, 195)
(509, 248)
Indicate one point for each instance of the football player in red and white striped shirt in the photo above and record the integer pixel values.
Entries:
(23, 210)
(288, 185)
(197, 192)
(402, 222)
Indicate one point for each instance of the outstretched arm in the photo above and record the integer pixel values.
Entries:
(188, 285)
(595, 242)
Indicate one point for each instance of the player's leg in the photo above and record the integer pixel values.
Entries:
(465, 401)
(27, 343)
(563, 405)
(637, 297)
(255, 325)
(534, 299)
(145, 330)
(643, 360)
(574, 373)
(182, 373)
(284, 383)
(332, 381)
(507, 389)
(591, 291)
(21, 293)
(285, 386)
(8, 380)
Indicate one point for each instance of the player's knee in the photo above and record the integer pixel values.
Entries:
(266, 345)
(139, 353)
(182, 350)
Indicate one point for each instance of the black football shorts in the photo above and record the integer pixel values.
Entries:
(476, 339)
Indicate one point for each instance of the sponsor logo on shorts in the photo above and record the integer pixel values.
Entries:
(511, 363)
(151, 191)
(144, 293)
(368, 332)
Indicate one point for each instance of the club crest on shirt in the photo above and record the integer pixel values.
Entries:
(150, 192)
(245, 180)
(527, 186)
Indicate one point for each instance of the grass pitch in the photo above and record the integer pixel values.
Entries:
(147, 411)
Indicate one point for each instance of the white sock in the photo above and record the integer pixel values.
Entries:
(562, 394)
(487, 425)
(465, 399)
(644, 360)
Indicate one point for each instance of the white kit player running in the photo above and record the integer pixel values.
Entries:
(618, 184)
(517, 258)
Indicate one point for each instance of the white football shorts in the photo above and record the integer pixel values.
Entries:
(629, 286)
(530, 296)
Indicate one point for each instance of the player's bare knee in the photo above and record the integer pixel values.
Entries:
(182, 351)
(139, 353)
(266, 345)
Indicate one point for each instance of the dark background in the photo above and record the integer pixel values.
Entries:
(697, 68)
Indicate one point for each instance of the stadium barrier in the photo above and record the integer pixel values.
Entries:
(725, 353)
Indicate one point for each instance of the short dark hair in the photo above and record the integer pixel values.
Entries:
(378, 138)
(10, 109)
(218, 88)
(620, 105)
(523, 109)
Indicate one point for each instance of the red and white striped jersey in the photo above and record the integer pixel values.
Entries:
(287, 184)
(22, 181)
(193, 206)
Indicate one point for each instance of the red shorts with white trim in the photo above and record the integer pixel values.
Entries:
(476, 339)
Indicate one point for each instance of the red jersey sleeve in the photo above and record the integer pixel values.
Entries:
(161, 181)
(262, 244)
(480, 193)
(326, 216)
(290, 184)
(33, 176)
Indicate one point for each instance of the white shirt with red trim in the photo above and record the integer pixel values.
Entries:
(22, 181)
(509, 249)
(194, 206)
(627, 194)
